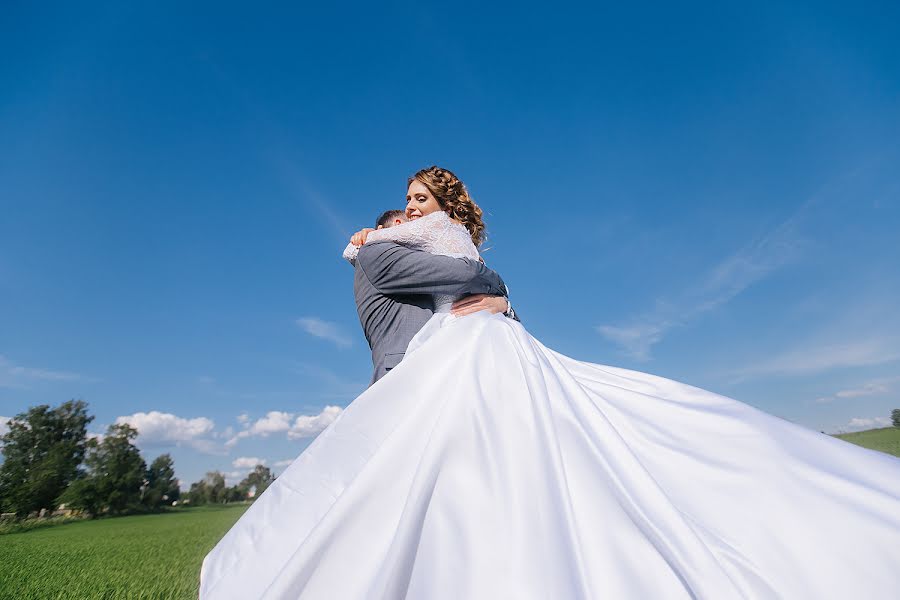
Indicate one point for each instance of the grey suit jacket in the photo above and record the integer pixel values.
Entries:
(394, 288)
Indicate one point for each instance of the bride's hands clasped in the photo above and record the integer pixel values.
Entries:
(359, 238)
(472, 304)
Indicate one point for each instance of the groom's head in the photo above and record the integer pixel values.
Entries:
(390, 218)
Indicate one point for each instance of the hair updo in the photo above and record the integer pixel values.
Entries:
(452, 196)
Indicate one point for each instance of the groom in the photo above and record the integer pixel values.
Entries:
(394, 288)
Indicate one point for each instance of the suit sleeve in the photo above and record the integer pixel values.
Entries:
(395, 269)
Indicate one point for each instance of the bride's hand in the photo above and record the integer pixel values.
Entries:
(359, 238)
(472, 304)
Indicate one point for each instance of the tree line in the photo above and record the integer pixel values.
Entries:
(212, 489)
(49, 460)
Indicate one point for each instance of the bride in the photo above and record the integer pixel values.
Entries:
(485, 465)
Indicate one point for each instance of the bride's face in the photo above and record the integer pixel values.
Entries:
(420, 201)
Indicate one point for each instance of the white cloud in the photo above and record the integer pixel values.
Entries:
(13, 375)
(283, 463)
(158, 428)
(721, 284)
(296, 426)
(861, 423)
(234, 477)
(247, 462)
(243, 418)
(4, 427)
(326, 330)
(274, 422)
(308, 426)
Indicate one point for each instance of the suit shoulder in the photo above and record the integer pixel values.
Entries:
(374, 251)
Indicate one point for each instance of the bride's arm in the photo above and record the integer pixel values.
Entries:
(412, 234)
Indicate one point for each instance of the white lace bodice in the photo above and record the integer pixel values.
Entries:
(435, 233)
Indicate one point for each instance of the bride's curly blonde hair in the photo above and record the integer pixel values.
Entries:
(453, 197)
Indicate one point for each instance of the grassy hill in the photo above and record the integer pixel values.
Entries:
(150, 557)
(885, 439)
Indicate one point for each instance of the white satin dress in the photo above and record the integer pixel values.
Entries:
(487, 466)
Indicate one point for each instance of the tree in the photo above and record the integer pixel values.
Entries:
(162, 486)
(215, 483)
(118, 467)
(209, 489)
(84, 494)
(42, 451)
(895, 417)
(235, 494)
(258, 480)
(198, 494)
(115, 474)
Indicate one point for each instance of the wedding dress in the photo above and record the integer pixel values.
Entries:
(487, 466)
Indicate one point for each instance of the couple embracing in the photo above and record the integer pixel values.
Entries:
(481, 464)
(406, 269)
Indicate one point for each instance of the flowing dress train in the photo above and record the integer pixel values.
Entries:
(488, 466)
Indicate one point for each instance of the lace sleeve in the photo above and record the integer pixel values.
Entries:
(350, 253)
(411, 234)
(436, 233)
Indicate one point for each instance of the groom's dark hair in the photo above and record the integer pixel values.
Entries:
(388, 216)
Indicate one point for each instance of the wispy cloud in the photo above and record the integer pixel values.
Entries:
(325, 330)
(722, 283)
(869, 389)
(638, 338)
(295, 426)
(283, 463)
(875, 387)
(247, 462)
(335, 386)
(284, 156)
(816, 357)
(300, 186)
(161, 429)
(13, 375)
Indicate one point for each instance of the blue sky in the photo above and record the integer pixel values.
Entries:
(704, 191)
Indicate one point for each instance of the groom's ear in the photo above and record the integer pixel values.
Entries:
(398, 222)
(380, 227)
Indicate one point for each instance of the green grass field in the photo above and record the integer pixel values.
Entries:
(145, 557)
(886, 439)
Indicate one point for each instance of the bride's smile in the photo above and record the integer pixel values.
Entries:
(420, 201)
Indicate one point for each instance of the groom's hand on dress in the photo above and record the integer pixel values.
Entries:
(476, 302)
